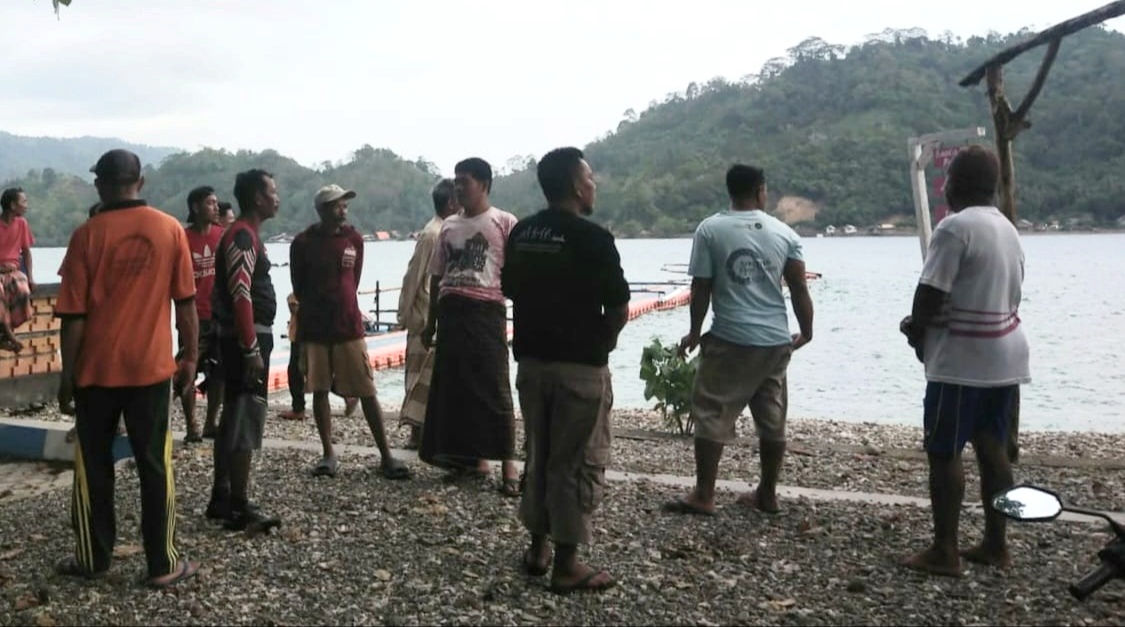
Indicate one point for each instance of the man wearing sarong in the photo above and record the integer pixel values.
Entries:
(569, 303)
(413, 305)
(469, 416)
(16, 284)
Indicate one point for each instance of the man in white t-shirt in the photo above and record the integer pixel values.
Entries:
(738, 260)
(470, 417)
(965, 327)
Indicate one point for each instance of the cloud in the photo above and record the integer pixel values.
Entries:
(315, 79)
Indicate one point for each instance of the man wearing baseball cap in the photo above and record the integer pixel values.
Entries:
(326, 263)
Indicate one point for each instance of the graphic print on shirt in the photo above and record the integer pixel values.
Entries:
(465, 265)
(241, 259)
(129, 259)
(348, 258)
(203, 263)
(745, 266)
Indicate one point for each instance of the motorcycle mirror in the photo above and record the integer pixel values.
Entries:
(1028, 503)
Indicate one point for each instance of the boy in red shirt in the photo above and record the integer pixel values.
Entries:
(15, 285)
(203, 234)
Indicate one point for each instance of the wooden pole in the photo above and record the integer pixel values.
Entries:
(1009, 123)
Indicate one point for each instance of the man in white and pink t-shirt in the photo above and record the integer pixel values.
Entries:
(470, 417)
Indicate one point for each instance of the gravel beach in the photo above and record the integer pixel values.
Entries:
(358, 549)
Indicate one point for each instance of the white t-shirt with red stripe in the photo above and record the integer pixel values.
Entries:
(976, 258)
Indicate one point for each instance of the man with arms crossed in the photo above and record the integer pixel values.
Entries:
(570, 301)
(326, 263)
(413, 306)
(965, 327)
(120, 275)
(738, 261)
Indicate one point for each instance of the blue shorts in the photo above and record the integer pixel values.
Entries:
(955, 414)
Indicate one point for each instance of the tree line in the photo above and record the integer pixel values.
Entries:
(828, 123)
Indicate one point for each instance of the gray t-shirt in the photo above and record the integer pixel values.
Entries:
(744, 253)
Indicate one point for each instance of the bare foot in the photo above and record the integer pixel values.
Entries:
(582, 578)
(934, 562)
(988, 556)
(759, 502)
(537, 559)
(690, 504)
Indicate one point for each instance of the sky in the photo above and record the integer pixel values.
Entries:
(317, 79)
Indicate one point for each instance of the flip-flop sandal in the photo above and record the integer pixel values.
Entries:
(69, 567)
(395, 470)
(530, 567)
(680, 506)
(511, 487)
(186, 572)
(326, 467)
(584, 584)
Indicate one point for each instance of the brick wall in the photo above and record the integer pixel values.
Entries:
(40, 337)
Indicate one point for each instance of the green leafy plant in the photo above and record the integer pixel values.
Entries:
(669, 378)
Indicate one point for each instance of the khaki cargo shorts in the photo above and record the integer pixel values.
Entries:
(730, 378)
(343, 368)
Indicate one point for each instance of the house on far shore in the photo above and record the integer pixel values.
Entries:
(1024, 224)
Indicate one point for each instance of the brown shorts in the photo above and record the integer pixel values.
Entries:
(343, 368)
(729, 378)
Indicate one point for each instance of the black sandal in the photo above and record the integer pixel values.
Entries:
(69, 567)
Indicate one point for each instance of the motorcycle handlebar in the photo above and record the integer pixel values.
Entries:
(1093, 580)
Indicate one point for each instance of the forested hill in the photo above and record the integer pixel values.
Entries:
(72, 155)
(828, 123)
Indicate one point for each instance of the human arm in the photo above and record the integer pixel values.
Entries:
(614, 291)
(702, 269)
(182, 291)
(412, 283)
(25, 250)
(943, 261)
(71, 309)
(794, 272)
(431, 318)
(242, 255)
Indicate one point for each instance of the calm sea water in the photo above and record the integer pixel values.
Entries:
(858, 368)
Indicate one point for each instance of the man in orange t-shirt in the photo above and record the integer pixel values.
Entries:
(123, 269)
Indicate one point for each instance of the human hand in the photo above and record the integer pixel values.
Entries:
(689, 343)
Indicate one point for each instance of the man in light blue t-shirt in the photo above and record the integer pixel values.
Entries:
(738, 260)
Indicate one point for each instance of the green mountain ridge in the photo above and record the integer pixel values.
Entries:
(71, 155)
(828, 123)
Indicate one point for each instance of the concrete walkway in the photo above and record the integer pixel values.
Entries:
(19, 479)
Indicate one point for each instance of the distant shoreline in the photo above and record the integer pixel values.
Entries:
(805, 235)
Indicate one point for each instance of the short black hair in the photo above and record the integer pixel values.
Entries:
(196, 196)
(478, 169)
(974, 175)
(9, 198)
(246, 185)
(442, 193)
(744, 181)
(556, 172)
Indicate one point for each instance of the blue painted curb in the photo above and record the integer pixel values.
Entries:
(43, 440)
